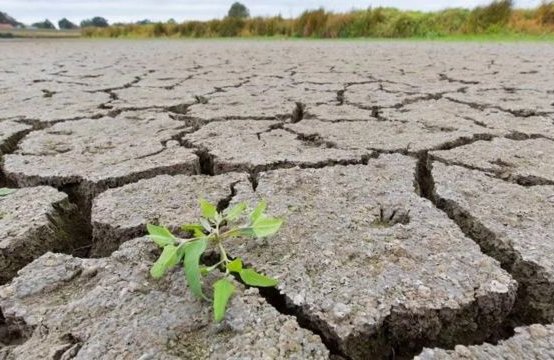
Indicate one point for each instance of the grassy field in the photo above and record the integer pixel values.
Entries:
(39, 33)
(72, 34)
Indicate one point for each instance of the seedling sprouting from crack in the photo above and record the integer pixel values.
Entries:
(211, 232)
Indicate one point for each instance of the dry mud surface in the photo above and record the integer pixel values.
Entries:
(416, 181)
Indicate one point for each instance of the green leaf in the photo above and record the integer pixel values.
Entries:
(206, 225)
(234, 213)
(258, 211)
(252, 278)
(193, 252)
(218, 218)
(209, 211)
(160, 235)
(195, 229)
(266, 226)
(181, 251)
(166, 261)
(235, 265)
(238, 232)
(223, 289)
(6, 191)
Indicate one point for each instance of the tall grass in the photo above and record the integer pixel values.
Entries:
(499, 17)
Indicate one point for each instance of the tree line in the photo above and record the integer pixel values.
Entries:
(65, 24)
(237, 10)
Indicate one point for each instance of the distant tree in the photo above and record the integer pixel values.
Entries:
(7, 19)
(65, 24)
(46, 24)
(144, 22)
(238, 11)
(96, 21)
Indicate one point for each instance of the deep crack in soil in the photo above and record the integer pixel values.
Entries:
(533, 283)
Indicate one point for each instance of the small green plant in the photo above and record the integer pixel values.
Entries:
(209, 233)
(6, 191)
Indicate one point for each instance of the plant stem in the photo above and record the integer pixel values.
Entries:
(209, 269)
(223, 254)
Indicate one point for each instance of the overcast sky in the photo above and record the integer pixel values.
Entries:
(28, 11)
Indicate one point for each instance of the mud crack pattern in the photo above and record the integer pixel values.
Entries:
(415, 179)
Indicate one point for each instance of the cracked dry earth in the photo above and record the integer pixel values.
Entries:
(416, 181)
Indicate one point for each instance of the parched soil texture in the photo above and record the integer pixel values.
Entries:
(415, 179)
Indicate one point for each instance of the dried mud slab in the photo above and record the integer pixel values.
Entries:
(176, 95)
(491, 120)
(530, 342)
(151, 97)
(33, 221)
(381, 95)
(387, 136)
(10, 133)
(520, 102)
(121, 214)
(63, 307)
(334, 113)
(327, 74)
(511, 223)
(527, 162)
(446, 114)
(257, 145)
(42, 106)
(311, 94)
(92, 155)
(242, 108)
(370, 264)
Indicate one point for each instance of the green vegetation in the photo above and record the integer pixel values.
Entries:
(40, 33)
(238, 11)
(6, 191)
(46, 24)
(211, 232)
(496, 19)
(96, 21)
(65, 24)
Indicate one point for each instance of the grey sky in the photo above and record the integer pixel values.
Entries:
(28, 11)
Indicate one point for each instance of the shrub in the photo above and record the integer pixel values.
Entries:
(545, 13)
(230, 26)
(404, 26)
(311, 23)
(494, 15)
(339, 25)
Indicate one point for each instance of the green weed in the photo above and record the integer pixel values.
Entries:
(210, 233)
